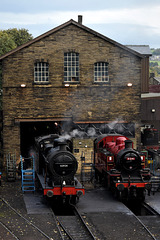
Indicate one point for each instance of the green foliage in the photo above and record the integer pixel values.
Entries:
(20, 36)
(12, 38)
(153, 64)
(155, 70)
(156, 51)
(6, 43)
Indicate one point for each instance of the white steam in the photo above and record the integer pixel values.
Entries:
(91, 132)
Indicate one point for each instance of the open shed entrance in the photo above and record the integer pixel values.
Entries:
(30, 130)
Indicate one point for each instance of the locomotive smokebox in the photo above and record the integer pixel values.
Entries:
(128, 144)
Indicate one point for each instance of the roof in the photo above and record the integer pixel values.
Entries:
(157, 79)
(131, 50)
(142, 49)
(150, 95)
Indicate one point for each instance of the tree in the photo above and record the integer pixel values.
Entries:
(156, 51)
(20, 36)
(153, 64)
(6, 43)
(12, 38)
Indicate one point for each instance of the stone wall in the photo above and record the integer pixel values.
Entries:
(84, 101)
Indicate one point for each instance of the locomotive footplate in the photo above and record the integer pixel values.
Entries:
(133, 184)
(76, 190)
(133, 181)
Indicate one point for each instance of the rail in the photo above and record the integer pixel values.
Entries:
(25, 219)
(72, 226)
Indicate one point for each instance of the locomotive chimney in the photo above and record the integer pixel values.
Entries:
(128, 144)
(63, 146)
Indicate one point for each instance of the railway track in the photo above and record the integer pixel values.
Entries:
(8, 225)
(70, 227)
(7, 231)
(150, 220)
(73, 227)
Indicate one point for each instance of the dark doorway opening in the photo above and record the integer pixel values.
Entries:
(30, 130)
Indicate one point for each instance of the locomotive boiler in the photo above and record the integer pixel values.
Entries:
(56, 167)
(122, 167)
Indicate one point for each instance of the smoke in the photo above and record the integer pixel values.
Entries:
(73, 134)
(112, 124)
(77, 133)
(64, 137)
(92, 130)
(112, 127)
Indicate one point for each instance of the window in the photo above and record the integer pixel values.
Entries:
(71, 67)
(41, 72)
(101, 72)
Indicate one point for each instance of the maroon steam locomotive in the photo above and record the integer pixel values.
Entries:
(122, 167)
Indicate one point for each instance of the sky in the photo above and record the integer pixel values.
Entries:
(129, 22)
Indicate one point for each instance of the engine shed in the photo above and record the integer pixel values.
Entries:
(75, 82)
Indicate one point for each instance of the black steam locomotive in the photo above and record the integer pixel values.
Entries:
(122, 167)
(56, 167)
(150, 138)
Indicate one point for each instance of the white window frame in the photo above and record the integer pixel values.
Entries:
(71, 67)
(41, 72)
(101, 72)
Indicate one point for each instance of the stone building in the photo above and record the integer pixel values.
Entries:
(150, 107)
(75, 81)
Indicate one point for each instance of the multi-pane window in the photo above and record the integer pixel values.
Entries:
(41, 72)
(101, 72)
(71, 67)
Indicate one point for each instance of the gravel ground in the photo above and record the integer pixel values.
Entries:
(109, 218)
(116, 226)
(105, 225)
(12, 194)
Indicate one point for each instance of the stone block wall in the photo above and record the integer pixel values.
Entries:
(83, 101)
